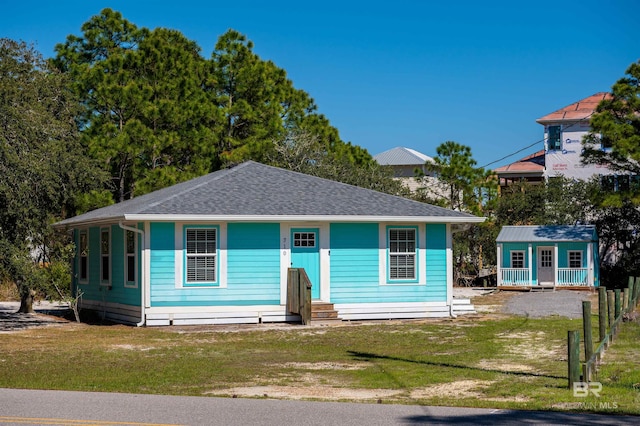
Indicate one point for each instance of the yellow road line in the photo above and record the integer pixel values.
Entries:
(49, 421)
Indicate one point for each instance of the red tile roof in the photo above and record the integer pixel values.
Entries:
(529, 164)
(576, 111)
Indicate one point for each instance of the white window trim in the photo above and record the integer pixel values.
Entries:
(134, 283)
(109, 256)
(80, 279)
(179, 256)
(569, 253)
(524, 258)
(421, 242)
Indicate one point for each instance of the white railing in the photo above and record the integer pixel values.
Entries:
(514, 276)
(572, 277)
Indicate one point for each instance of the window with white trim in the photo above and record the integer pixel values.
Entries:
(130, 259)
(83, 257)
(402, 254)
(105, 256)
(517, 259)
(201, 255)
(575, 259)
(304, 239)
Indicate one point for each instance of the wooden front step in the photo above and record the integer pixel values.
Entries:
(323, 311)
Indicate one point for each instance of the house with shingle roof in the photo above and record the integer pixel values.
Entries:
(216, 249)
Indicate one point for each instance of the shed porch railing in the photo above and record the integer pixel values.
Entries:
(569, 277)
(565, 277)
(514, 277)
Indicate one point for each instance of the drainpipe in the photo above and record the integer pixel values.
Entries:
(451, 311)
(143, 317)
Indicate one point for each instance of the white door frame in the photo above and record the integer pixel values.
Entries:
(285, 257)
(550, 272)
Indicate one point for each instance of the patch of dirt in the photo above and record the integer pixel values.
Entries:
(324, 365)
(307, 392)
(499, 365)
(459, 389)
(128, 347)
(492, 302)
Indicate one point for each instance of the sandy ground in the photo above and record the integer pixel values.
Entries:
(488, 302)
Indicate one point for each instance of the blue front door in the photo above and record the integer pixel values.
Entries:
(305, 253)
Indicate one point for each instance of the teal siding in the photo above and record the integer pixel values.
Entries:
(436, 259)
(253, 263)
(162, 262)
(507, 248)
(92, 290)
(354, 262)
(563, 253)
(253, 268)
(355, 267)
(116, 292)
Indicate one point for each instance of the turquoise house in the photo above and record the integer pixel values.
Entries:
(216, 249)
(563, 256)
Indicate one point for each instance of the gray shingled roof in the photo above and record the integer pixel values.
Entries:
(401, 156)
(548, 233)
(254, 189)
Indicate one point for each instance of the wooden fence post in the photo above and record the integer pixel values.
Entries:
(573, 340)
(602, 313)
(629, 294)
(611, 308)
(586, 325)
(617, 304)
(624, 299)
(588, 338)
(636, 288)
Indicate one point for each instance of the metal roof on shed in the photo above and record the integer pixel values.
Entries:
(547, 233)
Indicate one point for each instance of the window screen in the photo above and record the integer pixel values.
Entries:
(402, 254)
(201, 255)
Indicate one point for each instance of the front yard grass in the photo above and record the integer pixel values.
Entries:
(497, 362)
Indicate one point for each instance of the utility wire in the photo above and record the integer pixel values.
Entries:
(536, 142)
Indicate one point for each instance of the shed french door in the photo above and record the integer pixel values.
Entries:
(305, 253)
(546, 269)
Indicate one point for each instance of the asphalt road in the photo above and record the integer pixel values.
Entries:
(35, 407)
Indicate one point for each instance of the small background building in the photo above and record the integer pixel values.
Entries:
(564, 130)
(529, 169)
(548, 256)
(404, 162)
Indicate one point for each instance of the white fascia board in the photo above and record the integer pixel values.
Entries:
(91, 222)
(308, 218)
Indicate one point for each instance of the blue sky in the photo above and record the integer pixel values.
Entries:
(400, 73)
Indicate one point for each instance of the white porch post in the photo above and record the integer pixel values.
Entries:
(449, 257)
(555, 264)
(590, 264)
(499, 264)
(529, 263)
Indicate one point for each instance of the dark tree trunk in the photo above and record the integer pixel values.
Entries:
(26, 301)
